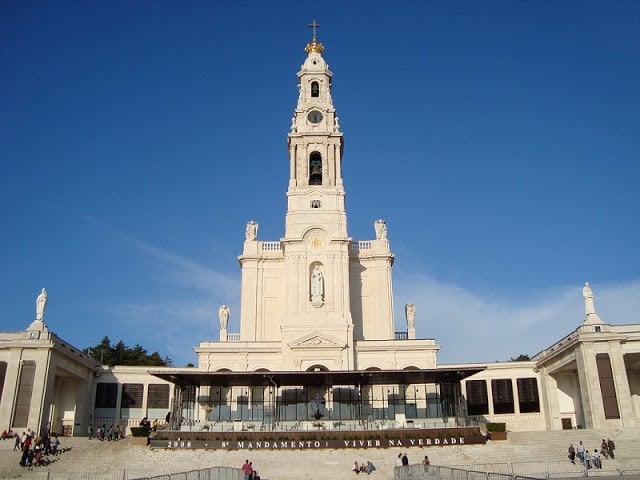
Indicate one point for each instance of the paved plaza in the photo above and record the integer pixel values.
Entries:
(117, 460)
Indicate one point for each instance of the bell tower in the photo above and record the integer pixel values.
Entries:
(315, 193)
(315, 298)
(316, 244)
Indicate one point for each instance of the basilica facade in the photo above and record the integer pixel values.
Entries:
(317, 345)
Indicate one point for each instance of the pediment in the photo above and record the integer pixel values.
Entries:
(316, 340)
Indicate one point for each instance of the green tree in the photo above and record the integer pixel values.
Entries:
(120, 354)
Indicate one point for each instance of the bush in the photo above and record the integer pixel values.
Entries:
(497, 427)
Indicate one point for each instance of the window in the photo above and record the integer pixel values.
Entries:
(315, 89)
(607, 386)
(158, 396)
(315, 203)
(22, 404)
(3, 372)
(502, 396)
(528, 399)
(106, 395)
(315, 169)
(132, 394)
(477, 398)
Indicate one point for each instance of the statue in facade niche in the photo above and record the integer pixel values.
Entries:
(317, 284)
(380, 227)
(41, 305)
(589, 306)
(223, 314)
(251, 232)
(410, 313)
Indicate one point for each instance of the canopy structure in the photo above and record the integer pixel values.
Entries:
(185, 377)
(283, 399)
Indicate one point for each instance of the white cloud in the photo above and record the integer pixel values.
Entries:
(473, 328)
(175, 322)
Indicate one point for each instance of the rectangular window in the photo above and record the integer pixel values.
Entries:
(106, 395)
(528, 399)
(158, 396)
(477, 397)
(607, 386)
(23, 397)
(132, 394)
(3, 373)
(502, 396)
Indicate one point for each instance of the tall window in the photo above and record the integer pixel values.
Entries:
(315, 168)
(3, 373)
(315, 89)
(22, 404)
(477, 398)
(528, 395)
(502, 396)
(106, 395)
(132, 394)
(158, 396)
(607, 386)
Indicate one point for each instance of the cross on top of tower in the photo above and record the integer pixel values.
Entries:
(314, 46)
(314, 26)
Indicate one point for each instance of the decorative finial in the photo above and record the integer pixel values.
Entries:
(314, 46)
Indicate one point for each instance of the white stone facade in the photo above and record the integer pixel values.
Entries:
(350, 324)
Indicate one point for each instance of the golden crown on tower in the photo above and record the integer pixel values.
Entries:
(314, 46)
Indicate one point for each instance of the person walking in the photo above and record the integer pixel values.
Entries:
(247, 469)
(587, 460)
(580, 451)
(611, 447)
(572, 454)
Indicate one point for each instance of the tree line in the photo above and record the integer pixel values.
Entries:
(121, 354)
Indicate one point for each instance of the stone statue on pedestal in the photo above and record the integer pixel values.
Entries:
(223, 314)
(589, 306)
(251, 232)
(41, 305)
(317, 286)
(380, 227)
(410, 313)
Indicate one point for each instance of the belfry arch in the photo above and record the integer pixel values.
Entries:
(315, 168)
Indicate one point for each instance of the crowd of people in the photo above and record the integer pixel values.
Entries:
(104, 433)
(365, 467)
(35, 451)
(594, 458)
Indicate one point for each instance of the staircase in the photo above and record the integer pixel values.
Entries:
(544, 453)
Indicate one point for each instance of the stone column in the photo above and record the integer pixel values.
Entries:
(588, 377)
(116, 415)
(623, 392)
(489, 396)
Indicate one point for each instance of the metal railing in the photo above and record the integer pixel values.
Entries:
(214, 473)
(135, 473)
(516, 471)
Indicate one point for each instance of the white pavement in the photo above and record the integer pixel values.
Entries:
(92, 459)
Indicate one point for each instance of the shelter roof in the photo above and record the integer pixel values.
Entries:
(194, 377)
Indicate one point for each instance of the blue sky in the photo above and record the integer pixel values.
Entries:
(500, 140)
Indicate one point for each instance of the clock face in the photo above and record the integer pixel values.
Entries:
(314, 116)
